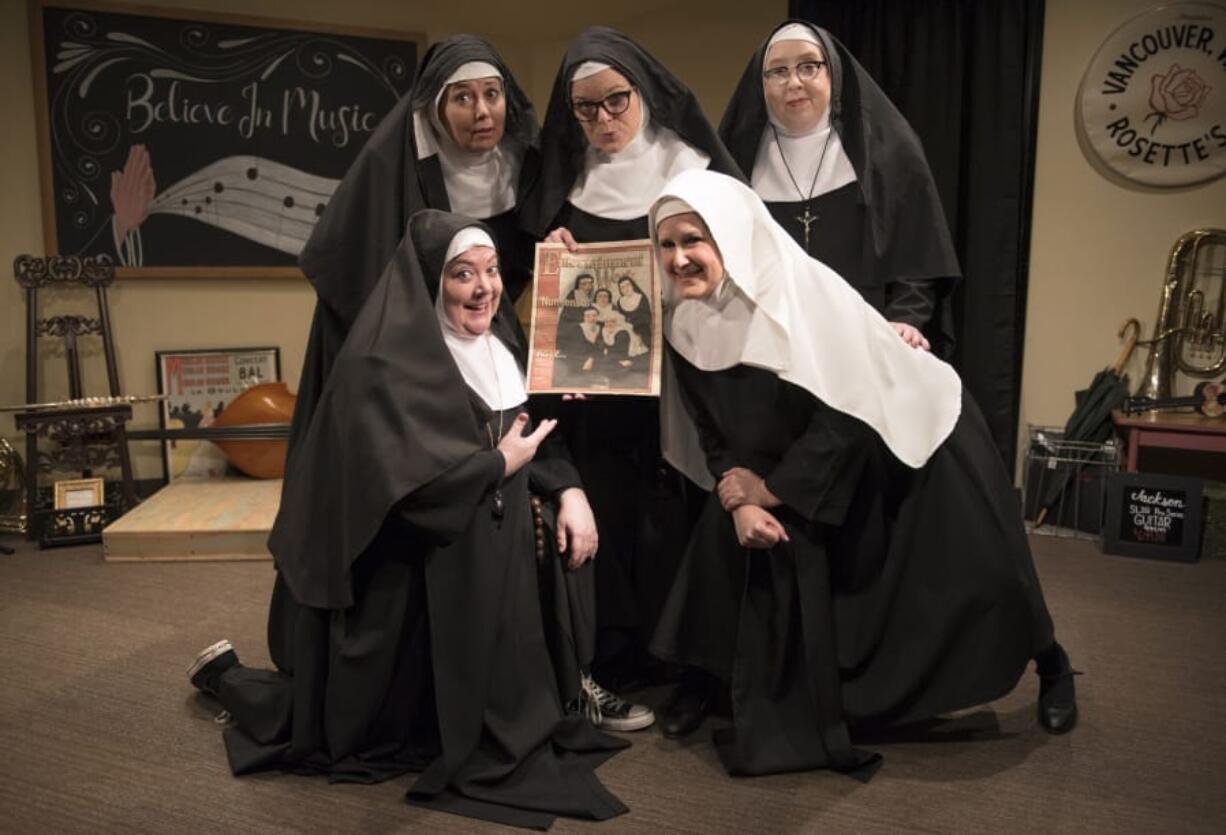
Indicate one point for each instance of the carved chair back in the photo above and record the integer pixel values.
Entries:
(33, 274)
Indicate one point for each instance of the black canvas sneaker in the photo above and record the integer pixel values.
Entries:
(610, 712)
(205, 672)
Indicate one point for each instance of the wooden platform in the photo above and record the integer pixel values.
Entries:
(197, 519)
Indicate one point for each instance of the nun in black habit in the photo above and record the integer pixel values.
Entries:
(618, 126)
(406, 623)
(841, 170)
(635, 306)
(414, 160)
(862, 558)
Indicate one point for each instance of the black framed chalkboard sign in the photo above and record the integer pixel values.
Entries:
(194, 144)
(1150, 515)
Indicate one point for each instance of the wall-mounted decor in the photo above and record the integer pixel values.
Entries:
(1152, 103)
(187, 143)
(1155, 516)
(198, 385)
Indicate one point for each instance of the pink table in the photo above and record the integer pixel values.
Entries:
(1170, 430)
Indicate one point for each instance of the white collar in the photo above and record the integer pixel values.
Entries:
(622, 186)
(783, 158)
(711, 333)
(629, 303)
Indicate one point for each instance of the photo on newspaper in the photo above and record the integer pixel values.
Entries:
(596, 325)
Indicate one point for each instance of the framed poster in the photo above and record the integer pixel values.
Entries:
(185, 143)
(596, 324)
(198, 385)
(1155, 516)
(74, 494)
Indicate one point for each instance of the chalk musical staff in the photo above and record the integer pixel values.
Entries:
(260, 199)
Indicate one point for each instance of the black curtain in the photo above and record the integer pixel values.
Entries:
(965, 73)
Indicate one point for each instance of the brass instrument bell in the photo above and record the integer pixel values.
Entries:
(1190, 329)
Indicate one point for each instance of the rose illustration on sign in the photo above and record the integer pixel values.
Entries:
(1176, 95)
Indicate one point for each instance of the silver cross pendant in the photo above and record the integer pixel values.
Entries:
(807, 220)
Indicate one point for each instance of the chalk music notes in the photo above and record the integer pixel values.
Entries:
(259, 199)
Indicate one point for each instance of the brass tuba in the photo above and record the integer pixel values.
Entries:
(1190, 331)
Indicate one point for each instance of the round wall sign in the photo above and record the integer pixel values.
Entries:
(1152, 103)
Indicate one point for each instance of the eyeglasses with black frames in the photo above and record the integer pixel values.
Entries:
(805, 71)
(614, 104)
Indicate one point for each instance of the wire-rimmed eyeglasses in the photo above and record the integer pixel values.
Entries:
(805, 71)
(614, 104)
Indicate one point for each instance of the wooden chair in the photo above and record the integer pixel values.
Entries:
(86, 433)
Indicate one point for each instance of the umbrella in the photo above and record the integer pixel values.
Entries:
(1090, 422)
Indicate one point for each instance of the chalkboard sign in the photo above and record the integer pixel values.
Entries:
(191, 144)
(1153, 516)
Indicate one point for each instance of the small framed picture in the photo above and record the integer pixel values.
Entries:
(199, 383)
(1155, 516)
(77, 493)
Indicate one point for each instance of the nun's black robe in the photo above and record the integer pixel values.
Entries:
(643, 507)
(382, 687)
(639, 319)
(885, 233)
(409, 626)
(902, 594)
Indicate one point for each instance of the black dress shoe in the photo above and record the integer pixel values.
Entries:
(691, 702)
(1057, 694)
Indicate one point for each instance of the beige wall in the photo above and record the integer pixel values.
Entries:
(153, 314)
(1098, 249)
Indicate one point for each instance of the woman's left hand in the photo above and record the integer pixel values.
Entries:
(757, 528)
(911, 335)
(739, 486)
(577, 537)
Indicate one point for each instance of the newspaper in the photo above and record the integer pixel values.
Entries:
(596, 327)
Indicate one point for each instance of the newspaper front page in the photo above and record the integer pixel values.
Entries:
(596, 325)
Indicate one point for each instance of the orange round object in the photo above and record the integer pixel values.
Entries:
(263, 404)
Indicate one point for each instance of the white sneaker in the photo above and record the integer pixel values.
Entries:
(608, 711)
